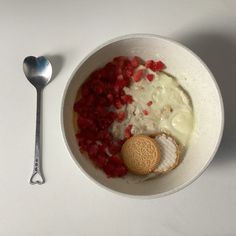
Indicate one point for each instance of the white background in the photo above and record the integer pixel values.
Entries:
(70, 204)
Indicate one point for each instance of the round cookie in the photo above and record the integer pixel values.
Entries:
(141, 154)
(169, 151)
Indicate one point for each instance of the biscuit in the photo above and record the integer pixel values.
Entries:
(141, 154)
(170, 153)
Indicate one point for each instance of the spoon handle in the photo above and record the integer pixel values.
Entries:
(37, 176)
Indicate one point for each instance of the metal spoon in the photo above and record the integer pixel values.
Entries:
(38, 71)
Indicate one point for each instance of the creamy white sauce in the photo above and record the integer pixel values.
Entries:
(171, 110)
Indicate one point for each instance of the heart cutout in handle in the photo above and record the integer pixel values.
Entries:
(37, 178)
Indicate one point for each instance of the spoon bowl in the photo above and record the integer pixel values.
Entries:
(38, 71)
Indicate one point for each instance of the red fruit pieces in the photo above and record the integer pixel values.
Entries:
(115, 167)
(159, 65)
(101, 161)
(138, 75)
(93, 150)
(120, 60)
(120, 116)
(127, 99)
(84, 122)
(101, 95)
(112, 115)
(129, 72)
(120, 77)
(109, 169)
(135, 61)
(114, 148)
(102, 90)
(98, 87)
(119, 85)
(155, 66)
(110, 97)
(104, 136)
(116, 160)
(127, 132)
(121, 171)
(150, 77)
(118, 104)
(149, 63)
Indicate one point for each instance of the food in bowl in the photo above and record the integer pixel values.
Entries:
(170, 153)
(129, 97)
(141, 154)
(193, 75)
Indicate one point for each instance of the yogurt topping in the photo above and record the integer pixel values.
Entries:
(158, 105)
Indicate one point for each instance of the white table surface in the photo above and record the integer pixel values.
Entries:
(69, 203)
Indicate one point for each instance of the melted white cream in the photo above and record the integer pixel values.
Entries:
(171, 109)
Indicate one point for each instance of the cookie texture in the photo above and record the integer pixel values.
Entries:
(141, 154)
(169, 151)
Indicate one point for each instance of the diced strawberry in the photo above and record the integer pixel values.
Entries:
(103, 102)
(127, 132)
(149, 63)
(118, 71)
(119, 85)
(120, 116)
(84, 122)
(116, 160)
(109, 169)
(145, 112)
(135, 61)
(112, 115)
(127, 99)
(120, 77)
(149, 103)
(101, 161)
(118, 104)
(98, 87)
(85, 90)
(110, 97)
(90, 99)
(120, 171)
(121, 93)
(129, 72)
(159, 65)
(102, 149)
(93, 150)
(150, 77)
(121, 142)
(120, 60)
(103, 123)
(104, 136)
(100, 110)
(138, 75)
(114, 148)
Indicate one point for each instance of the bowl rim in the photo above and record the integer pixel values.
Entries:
(131, 36)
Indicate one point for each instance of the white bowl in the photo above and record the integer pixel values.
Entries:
(192, 74)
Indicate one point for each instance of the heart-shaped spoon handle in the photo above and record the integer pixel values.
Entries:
(37, 176)
(38, 71)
